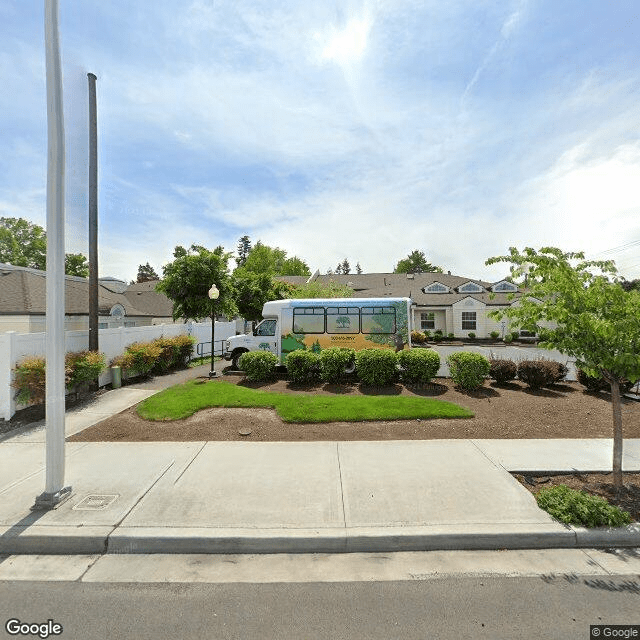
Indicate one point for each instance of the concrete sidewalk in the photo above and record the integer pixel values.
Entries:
(275, 497)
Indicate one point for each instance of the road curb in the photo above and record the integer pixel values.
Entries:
(56, 540)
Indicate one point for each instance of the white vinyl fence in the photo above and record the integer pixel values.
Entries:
(14, 347)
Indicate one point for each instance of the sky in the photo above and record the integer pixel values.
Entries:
(357, 129)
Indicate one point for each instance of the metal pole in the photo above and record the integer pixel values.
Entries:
(93, 216)
(213, 373)
(54, 492)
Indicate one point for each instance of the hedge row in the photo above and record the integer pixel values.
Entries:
(375, 367)
(534, 373)
(30, 374)
(140, 358)
(158, 356)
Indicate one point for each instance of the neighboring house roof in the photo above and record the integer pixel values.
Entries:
(23, 292)
(399, 285)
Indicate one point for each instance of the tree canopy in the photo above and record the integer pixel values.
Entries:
(416, 262)
(317, 289)
(24, 244)
(189, 277)
(596, 321)
(273, 260)
(244, 246)
(252, 290)
(75, 264)
(146, 273)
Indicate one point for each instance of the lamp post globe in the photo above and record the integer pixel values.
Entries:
(214, 294)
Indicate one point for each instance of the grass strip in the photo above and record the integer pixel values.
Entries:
(182, 401)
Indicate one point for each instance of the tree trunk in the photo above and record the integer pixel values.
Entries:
(617, 434)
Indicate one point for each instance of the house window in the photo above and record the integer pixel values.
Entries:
(470, 287)
(343, 320)
(505, 286)
(468, 320)
(308, 320)
(103, 325)
(378, 320)
(129, 323)
(428, 320)
(436, 287)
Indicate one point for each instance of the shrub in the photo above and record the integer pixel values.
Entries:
(472, 336)
(419, 365)
(417, 337)
(377, 366)
(83, 366)
(259, 366)
(29, 380)
(494, 334)
(334, 362)
(450, 336)
(592, 383)
(303, 366)
(537, 373)
(468, 370)
(168, 356)
(437, 337)
(515, 335)
(559, 369)
(502, 370)
(600, 383)
(30, 374)
(580, 508)
(185, 346)
(437, 332)
(508, 338)
(427, 335)
(140, 357)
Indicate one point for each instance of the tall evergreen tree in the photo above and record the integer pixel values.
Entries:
(346, 267)
(146, 273)
(244, 246)
(358, 268)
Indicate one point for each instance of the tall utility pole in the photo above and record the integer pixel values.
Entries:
(93, 215)
(55, 491)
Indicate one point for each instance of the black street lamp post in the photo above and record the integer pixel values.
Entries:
(213, 295)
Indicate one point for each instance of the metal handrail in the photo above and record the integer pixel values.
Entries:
(203, 349)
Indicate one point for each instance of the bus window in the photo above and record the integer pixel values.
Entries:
(378, 320)
(343, 320)
(308, 320)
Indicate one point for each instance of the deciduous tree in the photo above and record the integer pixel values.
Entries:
(186, 282)
(597, 321)
(75, 264)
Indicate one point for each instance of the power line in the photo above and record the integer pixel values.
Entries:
(622, 247)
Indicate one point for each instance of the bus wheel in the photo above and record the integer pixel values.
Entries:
(236, 357)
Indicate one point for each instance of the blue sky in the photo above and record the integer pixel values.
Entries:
(361, 129)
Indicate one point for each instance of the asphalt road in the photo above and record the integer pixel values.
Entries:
(542, 607)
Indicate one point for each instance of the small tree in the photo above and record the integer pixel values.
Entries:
(346, 267)
(358, 268)
(416, 262)
(597, 321)
(189, 277)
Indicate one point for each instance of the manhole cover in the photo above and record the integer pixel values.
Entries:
(94, 502)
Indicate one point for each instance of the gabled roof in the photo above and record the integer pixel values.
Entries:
(400, 285)
(23, 292)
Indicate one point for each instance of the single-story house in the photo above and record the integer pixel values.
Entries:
(23, 302)
(453, 304)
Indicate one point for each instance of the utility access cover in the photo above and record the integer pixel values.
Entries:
(95, 502)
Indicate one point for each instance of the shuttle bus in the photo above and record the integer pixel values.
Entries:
(320, 323)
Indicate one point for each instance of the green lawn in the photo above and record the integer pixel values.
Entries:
(184, 400)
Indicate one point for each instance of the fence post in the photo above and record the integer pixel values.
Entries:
(7, 362)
